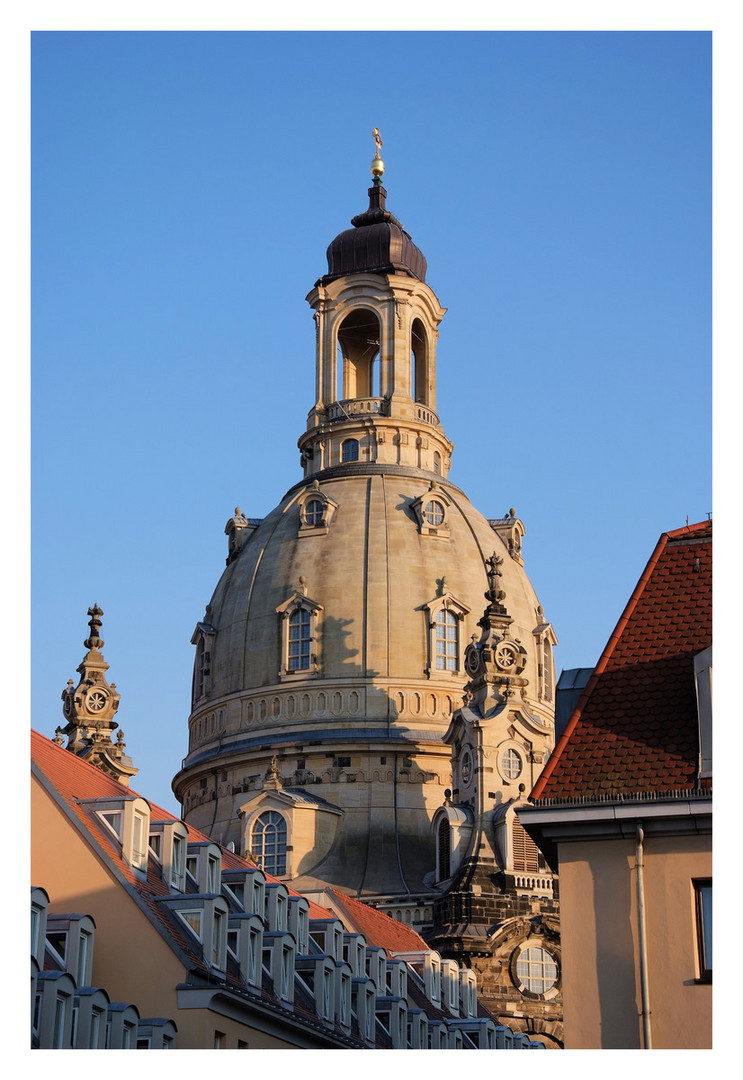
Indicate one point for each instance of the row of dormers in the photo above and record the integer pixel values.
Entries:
(252, 933)
(67, 1011)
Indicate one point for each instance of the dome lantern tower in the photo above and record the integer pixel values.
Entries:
(377, 328)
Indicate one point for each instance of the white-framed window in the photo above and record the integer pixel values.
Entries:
(177, 874)
(444, 619)
(268, 842)
(300, 640)
(511, 763)
(194, 920)
(446, 633)
(140, 840)
(434, 512)
(536, 969)
(313, 511)
(299, 636)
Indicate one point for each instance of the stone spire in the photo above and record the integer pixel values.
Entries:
(89, 709)
(495, 662)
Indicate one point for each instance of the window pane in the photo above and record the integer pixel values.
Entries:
(536, 970)
(269, 842)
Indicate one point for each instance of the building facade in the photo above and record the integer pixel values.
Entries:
(624, 810)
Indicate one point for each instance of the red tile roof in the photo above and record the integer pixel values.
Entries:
(635, 727)
(378, 929)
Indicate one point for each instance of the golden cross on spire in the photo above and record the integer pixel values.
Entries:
(377, 165)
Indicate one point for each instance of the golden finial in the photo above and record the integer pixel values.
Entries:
(377, 165)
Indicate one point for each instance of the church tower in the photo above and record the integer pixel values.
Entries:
(89, 710)
(331, 661)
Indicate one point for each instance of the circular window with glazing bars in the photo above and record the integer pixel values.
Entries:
(535, 970)
(511, 764)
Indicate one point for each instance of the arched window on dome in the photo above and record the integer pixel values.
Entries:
(350, 450)
(268, 842)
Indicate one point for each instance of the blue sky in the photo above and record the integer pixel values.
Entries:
(185, 187)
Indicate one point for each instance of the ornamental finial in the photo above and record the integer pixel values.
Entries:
(377, 165)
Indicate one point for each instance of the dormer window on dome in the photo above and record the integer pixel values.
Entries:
(299, 617)
(431, 511)
(316, 511)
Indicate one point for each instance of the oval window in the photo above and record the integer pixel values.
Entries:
(434, 513)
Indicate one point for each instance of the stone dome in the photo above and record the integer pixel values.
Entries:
(373, 572)
(336, 649)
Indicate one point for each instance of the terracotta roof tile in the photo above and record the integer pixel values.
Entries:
(635, 726)
(378, 929)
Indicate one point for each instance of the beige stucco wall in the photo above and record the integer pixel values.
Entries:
(601, 982)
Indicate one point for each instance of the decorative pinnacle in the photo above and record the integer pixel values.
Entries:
(94, 641)
(377, 165)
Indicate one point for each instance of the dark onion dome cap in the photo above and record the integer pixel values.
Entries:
(377, 244)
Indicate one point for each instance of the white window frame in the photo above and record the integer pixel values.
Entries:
(296, 604)
(448, 603)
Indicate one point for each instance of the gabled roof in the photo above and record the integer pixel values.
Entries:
(635, 728)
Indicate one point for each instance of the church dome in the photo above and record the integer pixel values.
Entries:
(335, 649)
(376, 573)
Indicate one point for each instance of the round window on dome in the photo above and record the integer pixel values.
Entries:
(313, 512)
(536, 970)
(435, 512)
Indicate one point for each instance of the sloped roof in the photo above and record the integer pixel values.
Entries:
(72, 779)
(378, 929)
(635, 728)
